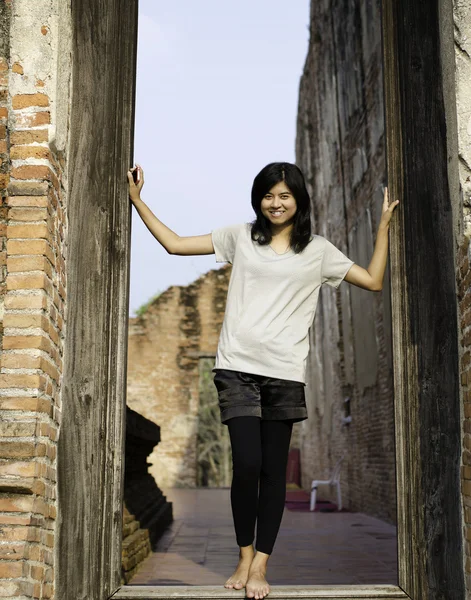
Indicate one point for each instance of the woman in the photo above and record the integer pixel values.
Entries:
(278, 268)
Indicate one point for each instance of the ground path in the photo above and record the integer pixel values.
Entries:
(312, 548)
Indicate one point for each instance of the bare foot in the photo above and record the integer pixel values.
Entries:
(239, 578)
(257, 586)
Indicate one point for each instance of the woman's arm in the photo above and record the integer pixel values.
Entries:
(172, 242)
(372, 277)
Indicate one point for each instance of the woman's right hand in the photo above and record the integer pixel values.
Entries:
(135, 189)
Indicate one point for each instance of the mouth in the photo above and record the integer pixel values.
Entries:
(276, 213)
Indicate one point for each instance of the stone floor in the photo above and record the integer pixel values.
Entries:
(311, 549)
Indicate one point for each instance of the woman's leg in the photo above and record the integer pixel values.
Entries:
(245, 438)
(275, 436)
(246, 465)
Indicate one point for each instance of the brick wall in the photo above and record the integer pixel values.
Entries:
(340, 148)
(165, 345)
(32, 294)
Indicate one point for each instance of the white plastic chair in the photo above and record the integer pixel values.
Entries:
(334, 480)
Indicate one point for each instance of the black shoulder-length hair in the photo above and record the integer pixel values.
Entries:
(268, 177)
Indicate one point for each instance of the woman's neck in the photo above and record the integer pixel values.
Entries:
(282, 232)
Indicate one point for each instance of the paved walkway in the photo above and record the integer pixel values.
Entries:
(311, 548)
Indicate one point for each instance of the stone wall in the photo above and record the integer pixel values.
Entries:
(166, 345)
(340, 148)
(34, 90)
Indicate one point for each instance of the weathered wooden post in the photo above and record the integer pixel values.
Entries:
(418, 66)
(91, 442)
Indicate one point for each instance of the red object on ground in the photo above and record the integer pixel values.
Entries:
(300, 500)
(293, 471)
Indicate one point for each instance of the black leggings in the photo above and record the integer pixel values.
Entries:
(259, 456)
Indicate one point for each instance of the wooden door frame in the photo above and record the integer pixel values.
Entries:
(427, 450)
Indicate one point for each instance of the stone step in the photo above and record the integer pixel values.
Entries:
(135, 542)
(130, 528)
(288, 592)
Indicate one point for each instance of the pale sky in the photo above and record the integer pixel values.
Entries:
(217, 94)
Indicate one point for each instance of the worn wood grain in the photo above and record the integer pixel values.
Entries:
(425, 346)
(372, 592)
(90, 446)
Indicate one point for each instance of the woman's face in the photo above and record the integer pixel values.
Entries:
(279, 205)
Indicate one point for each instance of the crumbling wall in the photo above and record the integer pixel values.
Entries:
(34, 90)
(340, 148)
(180, 328)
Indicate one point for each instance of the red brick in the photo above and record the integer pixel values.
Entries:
(28, 188)
(19, 469)
(31, 172)
(24, 152)
(28, 281)
(31, 534)
(27, 231)
(466, 489)
(31, 246)
(27, 120)
(17, 264)
(3, 112)
(4, 180)
(28, 201)
(27, 214)
(12, 551)
(11, 569)
(39, 405)
(13, 380)
(22, 449)
(26, 100)
(25, 320)
(36, 300)
(29, 137)
(19, 342)
(16, 504)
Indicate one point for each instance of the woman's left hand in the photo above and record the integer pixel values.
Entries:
(387, 208)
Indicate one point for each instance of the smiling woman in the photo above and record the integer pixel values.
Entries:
(261, 359)
(202, 105)
(66, 252)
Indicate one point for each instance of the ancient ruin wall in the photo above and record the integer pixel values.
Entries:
(34, 100)
(165, 346)
(340, 148)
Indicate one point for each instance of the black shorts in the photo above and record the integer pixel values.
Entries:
(245, 394)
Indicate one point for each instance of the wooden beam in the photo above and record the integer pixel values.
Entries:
(425, 345)
(317, 592)
(91, 442)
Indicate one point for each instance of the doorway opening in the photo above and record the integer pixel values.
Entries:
(173, 337)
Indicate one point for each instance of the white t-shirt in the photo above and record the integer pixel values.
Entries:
(271, 301)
